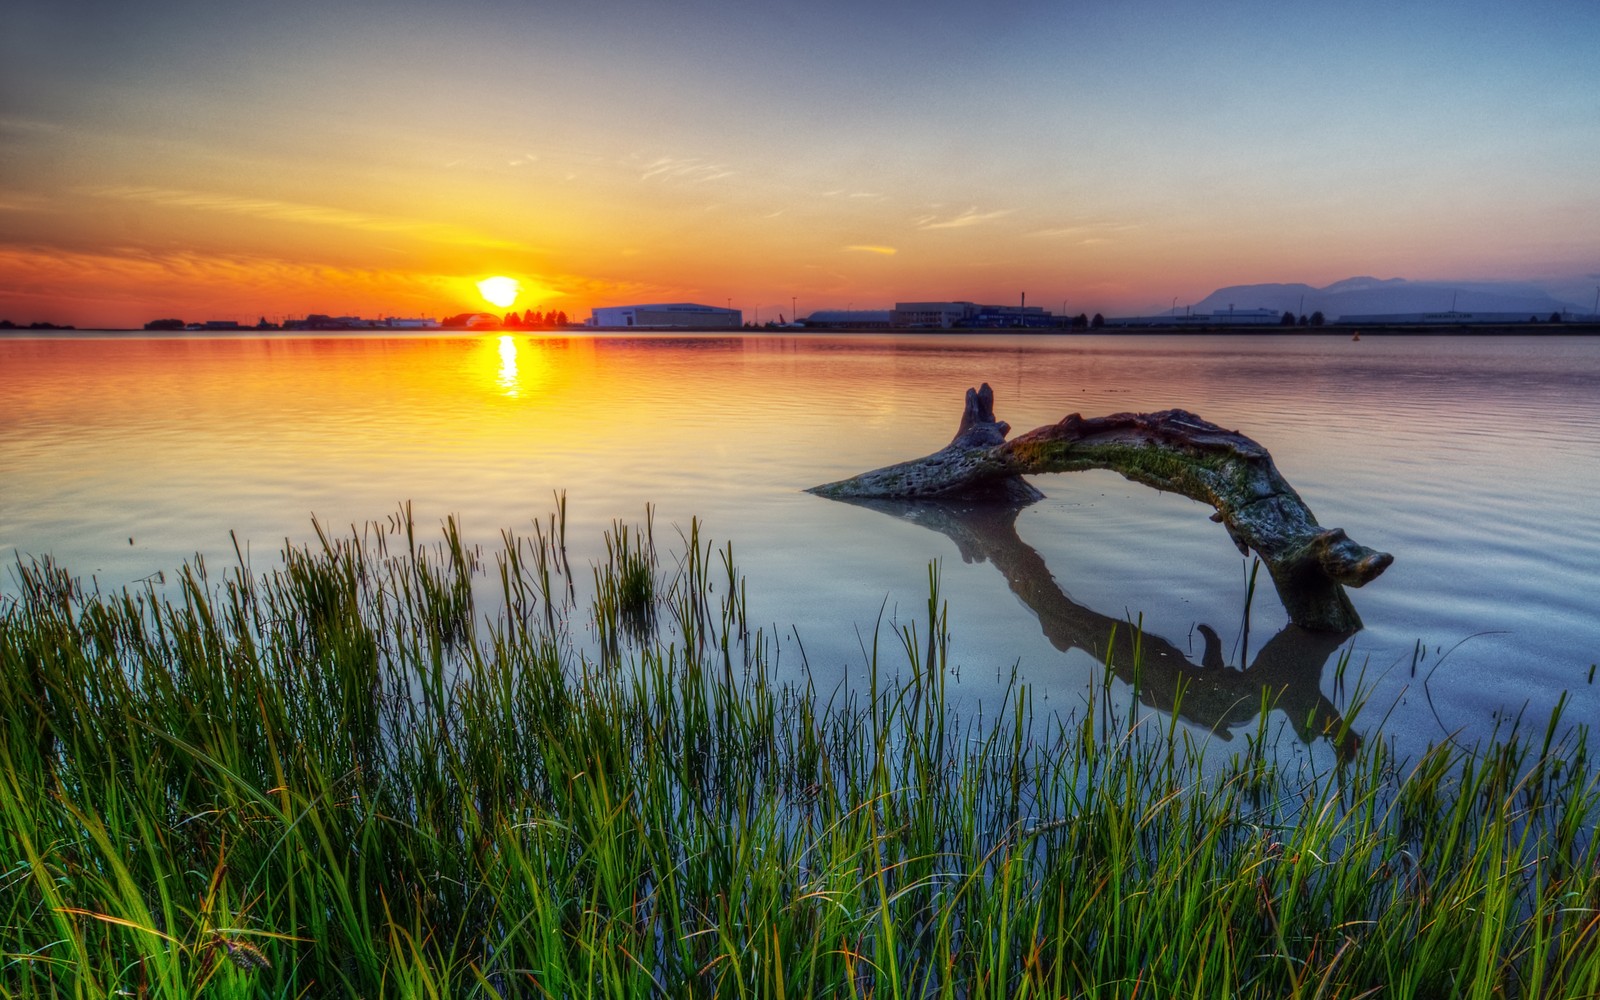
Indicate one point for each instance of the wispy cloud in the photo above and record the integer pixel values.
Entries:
(871, 248)
(287, 211)
(693, 169)
(15, 124)
(1085, 232)
(12, 201)
(971, 217)
(121, 285)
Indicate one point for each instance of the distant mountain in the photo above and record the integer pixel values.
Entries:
(1364, 295)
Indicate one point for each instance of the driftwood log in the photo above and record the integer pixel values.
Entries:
(1173, 451)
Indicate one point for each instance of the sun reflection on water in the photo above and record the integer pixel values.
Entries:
(509, 384)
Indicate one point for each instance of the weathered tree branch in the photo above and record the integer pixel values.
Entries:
(1173, 451)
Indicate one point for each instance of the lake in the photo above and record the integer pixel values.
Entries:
(1475, 461)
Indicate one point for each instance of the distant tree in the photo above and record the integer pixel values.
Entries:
(164, 324)
(1098, 322)
(1316, 318)
(1287, 320)
(457, 321)
(1555, 317)
(1305, 320)
(1081, 321)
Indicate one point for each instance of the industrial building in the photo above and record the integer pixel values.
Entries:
(847, 319)
(1448, 317)
(1233, 317)
(667, 315)
(931, 315)
(950, 315)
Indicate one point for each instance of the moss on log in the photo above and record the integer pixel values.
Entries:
(1172, 450)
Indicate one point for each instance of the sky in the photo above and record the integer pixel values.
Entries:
(212, 159)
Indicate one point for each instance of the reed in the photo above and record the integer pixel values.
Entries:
(340, 778)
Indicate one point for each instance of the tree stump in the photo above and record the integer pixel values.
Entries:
(1174, 451)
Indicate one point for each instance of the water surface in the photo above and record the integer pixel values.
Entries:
(1476, 461)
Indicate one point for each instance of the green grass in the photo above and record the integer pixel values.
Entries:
(341, 778)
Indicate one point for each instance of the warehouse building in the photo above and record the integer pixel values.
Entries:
(667, 315)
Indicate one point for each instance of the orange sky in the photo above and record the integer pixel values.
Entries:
(226, 161)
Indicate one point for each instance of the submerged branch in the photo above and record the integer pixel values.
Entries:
(1172, 450)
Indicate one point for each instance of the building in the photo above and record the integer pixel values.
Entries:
(404, 323)
(667, 315)
(848, 319)
(951, 315)
(931, 315)
(1009, 317)
(1449, 317)
(1233, 317)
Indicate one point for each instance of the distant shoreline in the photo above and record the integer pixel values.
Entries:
(1532, 330)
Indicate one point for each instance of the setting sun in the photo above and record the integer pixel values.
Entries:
(499, 291)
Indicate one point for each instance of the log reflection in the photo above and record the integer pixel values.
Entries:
(1287, 669)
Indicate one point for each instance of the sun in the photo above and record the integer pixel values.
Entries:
(499, 291)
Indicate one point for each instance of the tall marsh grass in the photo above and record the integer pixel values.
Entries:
(340, 778)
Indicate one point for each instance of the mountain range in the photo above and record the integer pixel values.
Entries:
(1364, 296)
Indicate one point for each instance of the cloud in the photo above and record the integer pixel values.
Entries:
(1087, 232)
(869, 248)
(123, 285)
(288, 211)
(692, 169)
(15, 124)
(971, 217)
(21, 202)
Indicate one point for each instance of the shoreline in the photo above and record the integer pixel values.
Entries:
(1535, 330)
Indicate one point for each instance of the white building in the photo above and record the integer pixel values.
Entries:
(668, 315)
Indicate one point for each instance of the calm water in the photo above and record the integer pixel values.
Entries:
(1475, 461)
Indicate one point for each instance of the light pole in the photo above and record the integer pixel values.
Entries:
(794, 311)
